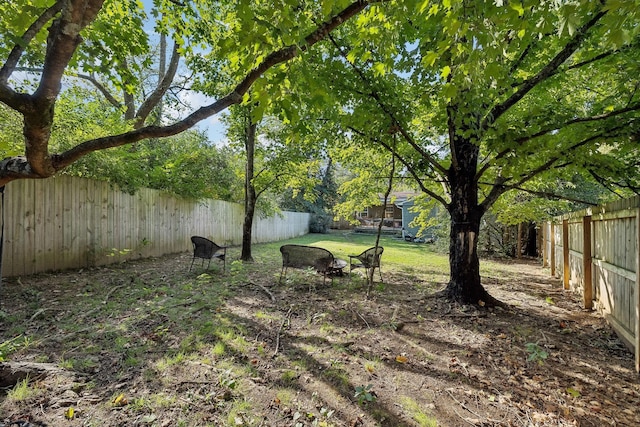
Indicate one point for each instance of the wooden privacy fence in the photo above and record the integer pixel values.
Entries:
(595, 251)
(64, 222)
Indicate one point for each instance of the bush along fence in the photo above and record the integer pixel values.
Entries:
(595, 251)
(65, 222)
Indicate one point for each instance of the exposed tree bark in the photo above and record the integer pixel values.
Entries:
(466, 213)
(165, 78)
(250, 197)
(129, 101)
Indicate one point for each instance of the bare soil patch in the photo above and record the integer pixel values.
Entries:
(148, 343)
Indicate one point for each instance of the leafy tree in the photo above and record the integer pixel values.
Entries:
(319, 201)
(48, 35)
(272, 164)
(486, 98)
(185, 165)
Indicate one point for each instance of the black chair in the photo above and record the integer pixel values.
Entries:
(301, 256)
(206, 249)
(369, 259)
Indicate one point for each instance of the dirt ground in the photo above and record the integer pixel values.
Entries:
(147, 343)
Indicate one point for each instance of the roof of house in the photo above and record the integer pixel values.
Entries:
(399, 197)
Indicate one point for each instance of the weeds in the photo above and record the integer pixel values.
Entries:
(370, 367)
(21, 391)
(365, 394)
(288, 376)
(11, 346)
(206, 359)
(226, 380)
(423, 419)
(536, 353)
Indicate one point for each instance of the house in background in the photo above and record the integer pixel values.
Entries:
(412, 232)
(394, 215)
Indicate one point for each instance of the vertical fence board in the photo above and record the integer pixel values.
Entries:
(38, 222)
(29, 238)
(566, 272)
(552, 251)
(586, 263)
(14, 226)
(3, 264)
(545, 244)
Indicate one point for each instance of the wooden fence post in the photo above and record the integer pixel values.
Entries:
(552, 255)
(566, 271)
(543, 247)
(587, 290)
(637, 335)
(519, 242)
(539, 242)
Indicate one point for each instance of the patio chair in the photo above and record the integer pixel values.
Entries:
(301, 256)
(206, 249)
(369, 259)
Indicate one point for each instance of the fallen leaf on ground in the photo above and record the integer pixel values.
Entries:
(120, 400)
(401, 359)
(573, 392)
(69, 413)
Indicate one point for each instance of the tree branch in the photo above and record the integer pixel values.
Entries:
(156, 96)
(546, 72)
(520, 141)
(608, 185)
(596, 58)
(64, 39)
(387, 111)
(62, 42)
(101, 88)
(548, 195)
(406, 164)
(17, 51)
(598, 117)
(501, 187)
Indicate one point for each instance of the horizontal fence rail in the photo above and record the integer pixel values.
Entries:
(67, 222)
(596, 252)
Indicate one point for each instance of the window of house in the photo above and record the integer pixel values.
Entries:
(388, 212)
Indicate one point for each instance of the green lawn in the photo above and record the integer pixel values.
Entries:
(400, 257)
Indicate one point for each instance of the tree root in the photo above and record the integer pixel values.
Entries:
(484, 301)
(265, 290)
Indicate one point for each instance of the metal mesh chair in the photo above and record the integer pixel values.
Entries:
(369, 259)
(300, 256)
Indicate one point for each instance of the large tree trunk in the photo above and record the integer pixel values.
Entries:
(465, 211)
(464, 279)
(250, 194)
(531, 247)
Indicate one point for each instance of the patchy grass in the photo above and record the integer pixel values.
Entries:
(149, 343)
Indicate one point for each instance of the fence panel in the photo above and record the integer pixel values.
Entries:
(558, 260)
(576, 260)
(612, 246)
(614, 269)
(65, 222)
